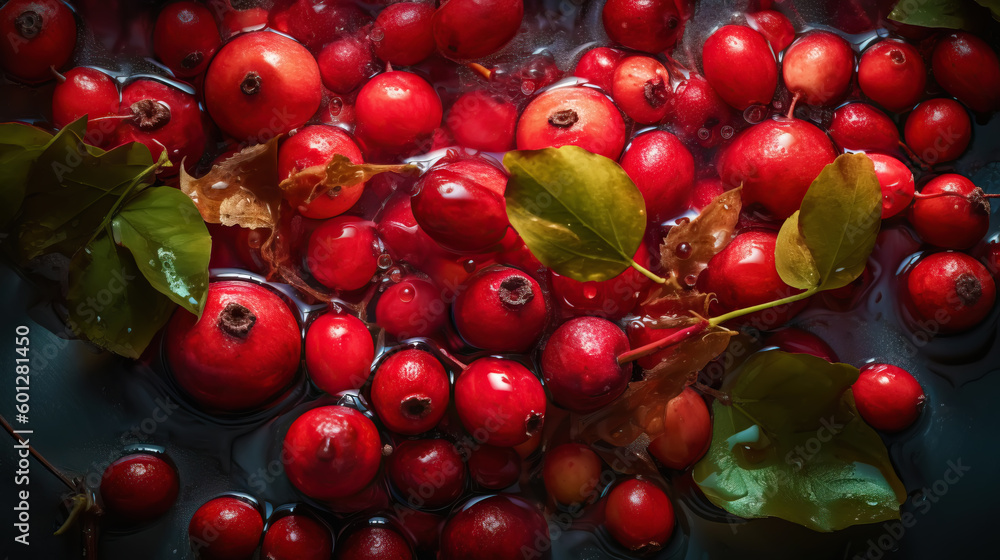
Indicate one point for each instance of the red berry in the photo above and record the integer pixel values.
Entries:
(395, 109)
(575, 116)
(162, 116)
(951, 292)
(343, 253)
(598, 65)
(339, 352)
(892, 73)
(185, 38)
(405, 239)
(663, 171)
(639, 515)
(374, 543)
(888, 397)
(410, 392)
(698, 115)
(739, 64)
(138, 488)
(481, 121)
(241, 19)
(861, 127)
(317, 22)
(641, 88)
(968, 68)
(580, 364)
(818, 66)
(406, 33)
(495, 468)
(797, 341)
(346, 63)
(776, 161)
(333, 452)
(316, 145)
(262, 84)
(427, 473)
(496, 528)
(957, 220)
(774, 26)
(225, 528)
(704, 192)
(571, 472)
(896, 181)
(37, 35)
(643, 25)
(687, 431)
(90, 92)
(613, 298)
(413, 307)
(243, 351)
(938, 130)
(296, 537)
(475, 28)
(500, 309)
(500, 402)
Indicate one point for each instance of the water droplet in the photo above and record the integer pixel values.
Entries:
(469, 265)
(407, 294)
(336, 106)
(691, 279)
(704, 133)
(395, 274)
(589, 290)
(527, 87)
(728, 132)
(377, 34)
(683, 250)
(755, 113)
(384, 261)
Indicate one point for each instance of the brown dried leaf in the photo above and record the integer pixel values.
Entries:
(670, 309)
(705, 235)
(339, 179)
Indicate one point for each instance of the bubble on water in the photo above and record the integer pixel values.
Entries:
(407, 294)
(728, 132)
(395, 274)
(336, 106)
(527, 87)
(690, 280)
(704, 133)
(755, 114)
(377, 34)
(469, 265)
(384, 261)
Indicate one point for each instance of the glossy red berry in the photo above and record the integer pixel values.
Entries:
(346, 63)
(495, 468)
(644, 25)
(343, 253)
(138, 488)
(466, 29)
(740, 66)
(333, 452)
(427, 473)
(185, 38)
(225, 528)
(859, 127)
(571, 473)
(404, 238)
(576, 116)
(242, 17)
(774, 26)
(410, 308)
(395, 109)
(262, 84)
(704, 192)
(495, 528)
(687, 431)
(797, 341)
(374, 543)
(162, 117)
(639, 515)
(339, 352)
(698, 115)
(818, 67)
(957, 220)
(968, 68)
(598, 65)
(410, 392)
(37, 35)
(663, 171)
(482, 121)
(580, 364)
(896, 181)
(500, 309)
(613, 298)
(892, 73)
(888, 397)
(641, 89)
(316, 145)
(317, 22)
(950, 292)
(500, 402)
(87, 91)
(406, 34)
(296, 537)
(938, 130)
(243, 351)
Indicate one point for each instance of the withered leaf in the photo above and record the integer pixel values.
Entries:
(339, 179)
(689, 246)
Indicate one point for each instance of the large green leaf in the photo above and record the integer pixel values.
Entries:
(948, 14)
(578, 212)
(795, 263)
(20, 146)
(110, 302)
(791, 445)
(168, 239)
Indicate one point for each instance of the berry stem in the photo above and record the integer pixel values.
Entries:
(716, 321)
(38, 456)
(657, 345)
(645, 272)
(791, 106)
(913, 156)
(453, 359)
(481, 70)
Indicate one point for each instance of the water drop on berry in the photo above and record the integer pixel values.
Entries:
(377, 34)
(469, 266)
(755, 114)
(683, 250)
(384, 261)
(728, 132)
(690, 280)
(395, 274)
(336, 106)
(589, 290)
(527, 87)
(407, 293)
(704, 133)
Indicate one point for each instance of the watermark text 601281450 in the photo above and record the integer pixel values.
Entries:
(22, 408)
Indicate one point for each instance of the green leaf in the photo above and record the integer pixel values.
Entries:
(792, 445)
(993, 5)
(795, 263)
(578, 212)
(109, 301)
(20, 146)
(949, 14)
(170, 243)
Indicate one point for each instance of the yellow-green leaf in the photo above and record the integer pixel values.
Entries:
(795, 263)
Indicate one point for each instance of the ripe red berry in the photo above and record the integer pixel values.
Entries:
(740, 66)
(663, 171)
(896, 181)
(410, 308)
(580, 364)
(339, 352)
(316, 145)
(410, 392)
(951, 292)
(892, 73)
(405, 239)
(346, 63)
(652, 26)
(818, 66)
(571, 473)
(427, 473)
(138, 488)
(333, 452)
(243, 351)
(704, 192)
(613, 298)
(598, 65)
(698, 115)
(482, 121)
(639, 515)
(500, 309)
(90, 92)
(968, 68)
(575, 116)
(374, 543)
(774, 26)
(500, 402)
(162, 117)
(262, 84)
(861, 127)
(240, 18)
(317, 22)
(495, 468)
(296, 537)
(957, 220)
(37, 35)
(406, 34)
(687, 431)
(185, 38)
(496, 528)
(938, 130)
(395, 109)
(225, 528)
(888, 397)
(343, 253)
(466, 29)
(641, 89)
